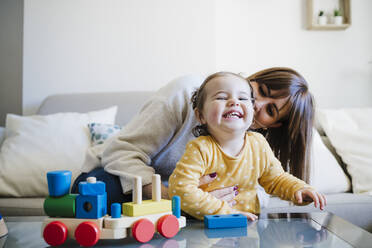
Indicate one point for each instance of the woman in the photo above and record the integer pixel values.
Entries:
(284, 113)
(155, 139)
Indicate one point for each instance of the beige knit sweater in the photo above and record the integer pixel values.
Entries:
(154, 140)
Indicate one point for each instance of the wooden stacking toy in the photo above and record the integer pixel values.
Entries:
(84, 216)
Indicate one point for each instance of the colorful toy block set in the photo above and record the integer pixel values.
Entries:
(84, 216)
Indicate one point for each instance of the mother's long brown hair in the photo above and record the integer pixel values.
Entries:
(291, 142)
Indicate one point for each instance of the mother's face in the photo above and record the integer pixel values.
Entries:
(268, 110)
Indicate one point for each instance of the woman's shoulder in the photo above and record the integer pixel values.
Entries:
(181, 86)
(174, 99)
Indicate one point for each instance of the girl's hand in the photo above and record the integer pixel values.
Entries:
(225, 194)
(147, 191)
(309, 195)
(249, 215)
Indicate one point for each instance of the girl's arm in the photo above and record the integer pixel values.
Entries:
(273, 178)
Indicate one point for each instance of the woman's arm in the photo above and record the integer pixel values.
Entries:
(150, 132)
(143, 138)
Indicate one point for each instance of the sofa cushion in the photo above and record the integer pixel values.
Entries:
(2, 135)
(37, 144)
(324, 164)
(22, 206)
(350, 132)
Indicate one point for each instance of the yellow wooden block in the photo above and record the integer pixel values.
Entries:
(147, 207)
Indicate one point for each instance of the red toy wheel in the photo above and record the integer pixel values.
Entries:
(87, 233)
(168, 226)
(55, 233)
(143, 230)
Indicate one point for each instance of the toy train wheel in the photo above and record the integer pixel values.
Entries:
(87, 233)
(168, 226)
(55, 233)
(143, 230)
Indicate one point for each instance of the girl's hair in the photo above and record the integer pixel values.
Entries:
(198, 99)
(291, 142)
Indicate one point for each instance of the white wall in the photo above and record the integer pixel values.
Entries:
(255, 34)
(11, 19)
(113, 45)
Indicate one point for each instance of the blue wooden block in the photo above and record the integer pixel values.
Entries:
(176, 206)
(97, 188)
(91, 206)
(225, 221)
(115, 210)
(59, 182)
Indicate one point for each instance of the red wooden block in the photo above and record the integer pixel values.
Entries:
(87, 233)
(55, 233)
(168, 226)
(143, 230)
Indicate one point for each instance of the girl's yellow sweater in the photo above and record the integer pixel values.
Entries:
(255, 164)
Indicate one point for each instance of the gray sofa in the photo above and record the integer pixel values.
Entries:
(355, 208)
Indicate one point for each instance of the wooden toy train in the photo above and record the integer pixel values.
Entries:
(84, 216)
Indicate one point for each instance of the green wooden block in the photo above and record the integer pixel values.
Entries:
(63, 206)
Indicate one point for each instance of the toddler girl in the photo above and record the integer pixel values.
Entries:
(224, 107)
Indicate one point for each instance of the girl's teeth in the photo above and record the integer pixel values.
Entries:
(232, 114)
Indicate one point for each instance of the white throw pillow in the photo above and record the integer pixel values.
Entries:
(350, 132)
(37, 144)
(327, 175)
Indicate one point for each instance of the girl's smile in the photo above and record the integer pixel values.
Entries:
(232, 114)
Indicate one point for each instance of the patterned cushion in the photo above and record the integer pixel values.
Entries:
(100, 132)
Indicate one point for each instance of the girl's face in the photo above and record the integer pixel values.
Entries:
(228, 105)
(268, 111)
